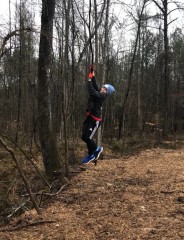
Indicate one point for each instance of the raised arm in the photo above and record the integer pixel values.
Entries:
(93, 80)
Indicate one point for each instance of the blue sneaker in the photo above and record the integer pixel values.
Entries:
(88, 159)
(97, 152)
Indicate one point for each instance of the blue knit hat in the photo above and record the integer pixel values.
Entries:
(110, 89)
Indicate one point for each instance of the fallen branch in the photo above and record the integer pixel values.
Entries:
(21, 174)
(30, 160)
(43, 193)
(61, 189)
(9, 189)
(49, 194)
(26, 226)
(22, 206)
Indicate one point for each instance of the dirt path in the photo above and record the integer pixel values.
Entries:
(119, 199)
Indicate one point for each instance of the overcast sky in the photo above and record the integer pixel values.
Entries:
(4, 9)
(118, 10)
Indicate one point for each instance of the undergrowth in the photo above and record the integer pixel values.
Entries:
(14, 199)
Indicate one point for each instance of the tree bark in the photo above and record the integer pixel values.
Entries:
(51, 157)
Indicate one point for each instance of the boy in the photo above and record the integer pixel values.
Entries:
(94, 116)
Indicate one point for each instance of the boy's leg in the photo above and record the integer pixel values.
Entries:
(90, 127)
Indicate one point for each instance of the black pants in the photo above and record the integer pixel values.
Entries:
(90, 126)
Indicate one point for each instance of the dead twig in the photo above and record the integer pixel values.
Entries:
(49, 194)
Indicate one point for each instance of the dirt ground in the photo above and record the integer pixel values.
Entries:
(134, 197)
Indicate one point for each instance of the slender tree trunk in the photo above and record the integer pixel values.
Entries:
(139, 80)
(96, 39)
(60, 30)
(164, 9)
(166, 72)
(20, 77)
(105, 58)
(106, 44)
(67, 6)
(158, 78)
(130, 73)
(73, 91)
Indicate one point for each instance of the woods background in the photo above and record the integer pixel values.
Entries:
(145, 64)
(46, 48)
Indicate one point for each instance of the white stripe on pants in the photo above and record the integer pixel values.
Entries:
(94, 130)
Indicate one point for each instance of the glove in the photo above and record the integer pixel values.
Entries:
(91, 75)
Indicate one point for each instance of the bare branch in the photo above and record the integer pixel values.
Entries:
(178, 8)
(92, 35)
(162, 9)
(172, 21)
(81, 14)
(10, 35)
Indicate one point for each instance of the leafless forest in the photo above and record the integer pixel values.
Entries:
(137, 46)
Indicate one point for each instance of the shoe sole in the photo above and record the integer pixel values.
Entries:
(89, 161)
(99, 154)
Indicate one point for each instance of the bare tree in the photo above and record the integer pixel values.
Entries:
(163, 7)
(131, 70)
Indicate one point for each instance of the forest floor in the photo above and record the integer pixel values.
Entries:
(122, 198)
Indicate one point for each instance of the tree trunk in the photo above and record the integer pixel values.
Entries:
(48, 142)
(164, 10)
